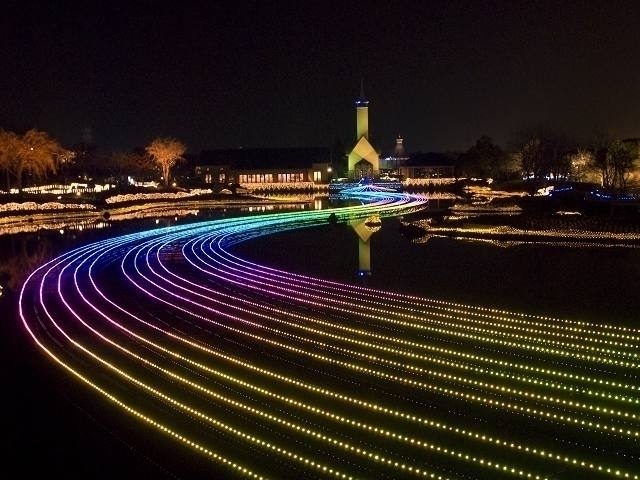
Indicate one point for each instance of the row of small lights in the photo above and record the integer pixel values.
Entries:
(412, 298)
(363, 333)
(321, 298)
(422, 357)
(130, 197)
(144, 418)
(581, 234)
(181, 438)
(574, 461)
(363, 302)
(412, 304)
(591, 466)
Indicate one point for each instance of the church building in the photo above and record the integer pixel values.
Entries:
(364, 161)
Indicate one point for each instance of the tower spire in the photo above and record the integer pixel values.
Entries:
(363, 153)
(362, 114)
(362, 100)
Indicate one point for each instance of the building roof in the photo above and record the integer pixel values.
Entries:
(265, 158)
(364, 150)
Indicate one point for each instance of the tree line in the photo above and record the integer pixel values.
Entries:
(37, 155)
(537, 156)
(543, 156)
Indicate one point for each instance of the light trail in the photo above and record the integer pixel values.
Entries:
(276, 374)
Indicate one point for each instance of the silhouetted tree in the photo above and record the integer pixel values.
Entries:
(123, 164)
(87, 161)
(615, 161)
(166, 152)
(622, 157)
(485, 159)
(543, 154)
(602, 163)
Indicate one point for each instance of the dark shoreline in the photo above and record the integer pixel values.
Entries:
(530, 227)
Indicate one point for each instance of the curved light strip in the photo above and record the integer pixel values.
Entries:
(202, 345)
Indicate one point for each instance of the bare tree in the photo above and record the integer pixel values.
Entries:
(602, 163)
(544, 155)
(166, 152)
(531, 156)
(622, 157)
(8, 150)
(35, 153)
(615, 163)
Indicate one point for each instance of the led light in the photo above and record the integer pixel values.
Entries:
(214, 338)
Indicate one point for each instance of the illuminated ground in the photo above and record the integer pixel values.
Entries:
(271, 374)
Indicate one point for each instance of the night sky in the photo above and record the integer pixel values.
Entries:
(280, 74)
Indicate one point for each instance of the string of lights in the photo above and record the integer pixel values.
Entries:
(226, 356)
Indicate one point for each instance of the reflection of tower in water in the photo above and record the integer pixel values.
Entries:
(364, 229)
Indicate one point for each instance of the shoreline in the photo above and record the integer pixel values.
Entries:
(33, 221)
(527, 228)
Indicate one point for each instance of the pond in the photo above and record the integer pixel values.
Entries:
(583, 283)
(58, 422)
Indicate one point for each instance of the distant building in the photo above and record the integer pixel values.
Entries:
(390, 164)
(417, 165)
(364, 161)
(264, 166)
(399, 151)
(428, 165)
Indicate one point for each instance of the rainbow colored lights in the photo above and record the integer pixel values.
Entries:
(270, 374)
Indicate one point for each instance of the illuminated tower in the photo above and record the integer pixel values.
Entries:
(364, 161)
(398, 151)
(399, 155)
(362, 115)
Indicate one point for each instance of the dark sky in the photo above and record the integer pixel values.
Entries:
(277, 73)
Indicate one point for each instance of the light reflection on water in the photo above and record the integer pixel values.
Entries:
(96, 220)
(27, 245)
(587, 282)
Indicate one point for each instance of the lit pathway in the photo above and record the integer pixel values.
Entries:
(274, 374)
